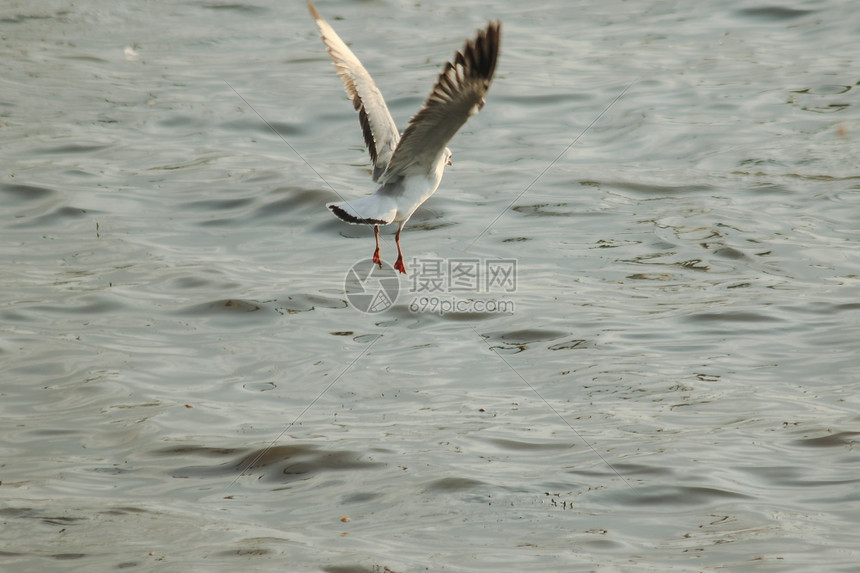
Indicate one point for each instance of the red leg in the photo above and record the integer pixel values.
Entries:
(376, 258)
(399, 264)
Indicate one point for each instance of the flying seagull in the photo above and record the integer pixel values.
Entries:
(408, 168)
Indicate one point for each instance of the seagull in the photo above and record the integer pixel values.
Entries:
(409, 168)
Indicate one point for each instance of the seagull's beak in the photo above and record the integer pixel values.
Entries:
(449, 161)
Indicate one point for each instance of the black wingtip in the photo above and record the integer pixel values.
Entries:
(343, 215)
(479, 55)
(487, 48)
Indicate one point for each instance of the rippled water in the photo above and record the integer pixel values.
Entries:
(187, 387)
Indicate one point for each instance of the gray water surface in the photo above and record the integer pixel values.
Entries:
(674, 385)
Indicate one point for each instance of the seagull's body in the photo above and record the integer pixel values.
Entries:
(409, 168)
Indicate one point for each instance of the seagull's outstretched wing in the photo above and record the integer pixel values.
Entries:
(380, 131)
(457, 95)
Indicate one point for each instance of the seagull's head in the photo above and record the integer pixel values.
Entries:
(448, 156)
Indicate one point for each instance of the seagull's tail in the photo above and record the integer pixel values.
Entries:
(370, 210)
